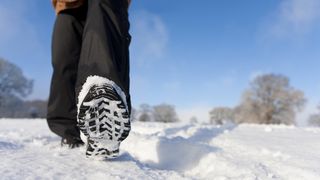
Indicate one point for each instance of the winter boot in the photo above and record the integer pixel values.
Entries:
(103, 117)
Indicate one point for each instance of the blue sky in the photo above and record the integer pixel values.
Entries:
(192, 54)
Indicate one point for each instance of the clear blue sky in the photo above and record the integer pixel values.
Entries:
(193, 54)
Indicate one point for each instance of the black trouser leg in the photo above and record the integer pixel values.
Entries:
(66, 48)
(105, 44)
(91, 40)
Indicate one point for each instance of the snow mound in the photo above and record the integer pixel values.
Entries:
(29, 150)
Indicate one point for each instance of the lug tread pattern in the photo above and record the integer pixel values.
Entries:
(103, 115)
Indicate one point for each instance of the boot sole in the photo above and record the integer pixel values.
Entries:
(104, 120)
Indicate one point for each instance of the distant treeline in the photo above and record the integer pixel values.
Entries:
(270, 99)
(25, 109)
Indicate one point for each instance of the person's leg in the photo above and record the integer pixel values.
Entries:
(66, 48)
(105, 48)
(103, 79)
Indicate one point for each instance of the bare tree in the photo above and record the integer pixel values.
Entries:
(221, 115)
(165, 113)
(314, 119)
(270, 100)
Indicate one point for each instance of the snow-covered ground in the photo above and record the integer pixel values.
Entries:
(28, 150)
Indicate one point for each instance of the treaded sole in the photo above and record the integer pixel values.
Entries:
(104, 119)
(94, 149)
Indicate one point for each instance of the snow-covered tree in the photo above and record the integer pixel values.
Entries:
(13, 87)
(12, 80)
(165, 113)
(270, 100)
(221, 115)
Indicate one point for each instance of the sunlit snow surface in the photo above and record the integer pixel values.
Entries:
(28, 150)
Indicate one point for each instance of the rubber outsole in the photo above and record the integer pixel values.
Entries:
(104, 119)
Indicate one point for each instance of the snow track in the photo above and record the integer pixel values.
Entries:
(28, 150)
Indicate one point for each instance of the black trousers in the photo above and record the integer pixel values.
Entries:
(90, 40)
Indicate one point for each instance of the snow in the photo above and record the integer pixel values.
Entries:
(28, 150)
